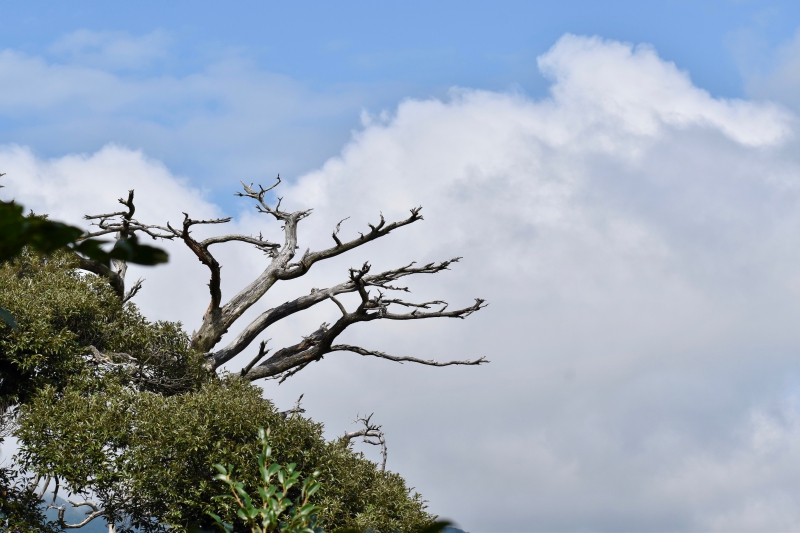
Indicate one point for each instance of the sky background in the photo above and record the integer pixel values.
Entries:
(622, 179)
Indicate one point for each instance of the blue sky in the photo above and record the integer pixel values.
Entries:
(427, 46)
(621, 178)
(357, 55)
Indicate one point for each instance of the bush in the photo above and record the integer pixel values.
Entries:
(143, 437)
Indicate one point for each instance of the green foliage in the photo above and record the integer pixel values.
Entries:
(161, 448)
(119, 432)
(272, 510)
(60, 313)
(18, 231)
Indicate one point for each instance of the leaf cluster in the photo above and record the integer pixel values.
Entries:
(61, 313)
(18, 231)
(272, 510)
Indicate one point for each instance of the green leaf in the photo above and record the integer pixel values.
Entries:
(312, 488)
(124, 249)
(132, 251)
(18, 231)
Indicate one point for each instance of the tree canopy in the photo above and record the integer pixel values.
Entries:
(147, 429)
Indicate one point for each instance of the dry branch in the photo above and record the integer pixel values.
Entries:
(282, 266)
(371, 434)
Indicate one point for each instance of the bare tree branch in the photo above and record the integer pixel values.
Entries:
(114, 279)
(283, 363)
(286, 375)
(47, 480)
(286, 359)
(126, 225)
(382, 355)
(295, 270)
(259, 242)
(152, 372)
(335, 233)
(296, 410)
(215, 324)
(262, 351)
(123, 225)
(371, 434)
(133, 291)
(262, 206)
(339, 305)
(372, 289)
(200, 249)
(91, 515)
(271, 316)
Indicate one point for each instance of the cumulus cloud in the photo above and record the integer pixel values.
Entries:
(72, 186)
(637, 240)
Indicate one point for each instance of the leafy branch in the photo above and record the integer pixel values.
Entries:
(272, 510)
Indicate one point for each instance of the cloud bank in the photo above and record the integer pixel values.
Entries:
(637, 239)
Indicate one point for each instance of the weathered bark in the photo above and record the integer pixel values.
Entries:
(219, 317)
(123, 225)
(116, 281)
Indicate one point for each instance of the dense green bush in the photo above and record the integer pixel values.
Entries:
(143, 437)
(61, 313)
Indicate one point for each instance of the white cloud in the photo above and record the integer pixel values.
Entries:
(637, 240)
(38, 85)
(770, 72)
(70, 187)
(605, 82)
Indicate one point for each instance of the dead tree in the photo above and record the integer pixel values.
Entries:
(373, 289)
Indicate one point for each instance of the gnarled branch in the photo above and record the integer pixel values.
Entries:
(371, 434)
(287, 361)
(93, 513)
(296, 410)
(382, 355)
(123, 225)
(116, 281)
(271, 316)
(280, 267)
